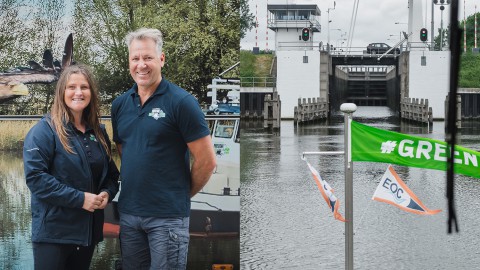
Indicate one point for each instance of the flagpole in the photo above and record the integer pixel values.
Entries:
(348, 109)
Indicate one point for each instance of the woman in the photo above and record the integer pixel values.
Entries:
(70, 174)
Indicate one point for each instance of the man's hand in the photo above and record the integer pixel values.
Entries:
(105, 196)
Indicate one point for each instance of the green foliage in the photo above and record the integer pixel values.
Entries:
(246, 18)
(31, 27)
(469, 63)
(469, 70)
(470, 33)
(255, 65)
(13, 42)
(255, 69)
(247, 64)
(201, 40)
(470, 25)
(445, 40)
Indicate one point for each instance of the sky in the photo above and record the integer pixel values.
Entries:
(375, 21)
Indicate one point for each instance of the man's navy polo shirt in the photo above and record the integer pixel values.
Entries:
(155, 169)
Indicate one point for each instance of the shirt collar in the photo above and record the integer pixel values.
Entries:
(161, 88)
(88, 129)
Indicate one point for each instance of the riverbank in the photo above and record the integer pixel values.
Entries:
(13, 132)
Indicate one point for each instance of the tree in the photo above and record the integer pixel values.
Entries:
(469, 70)
(247, 21)
(201, 39)
(446, 38)
(470, 23)
(103, 49)
(12, 34)
(48, 32)
(470, 31)
(31, 29)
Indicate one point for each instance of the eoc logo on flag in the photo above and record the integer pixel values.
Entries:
(378, 145)
(392, 190)
(327, 193)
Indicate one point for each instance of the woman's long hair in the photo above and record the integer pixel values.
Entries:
(61, 114)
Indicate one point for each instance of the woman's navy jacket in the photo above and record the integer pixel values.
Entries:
(57, 181)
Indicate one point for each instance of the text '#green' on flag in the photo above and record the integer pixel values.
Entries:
(378, 145)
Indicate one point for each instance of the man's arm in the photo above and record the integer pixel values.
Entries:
(204, 162)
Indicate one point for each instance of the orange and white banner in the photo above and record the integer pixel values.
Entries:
(394, 191)
(327, 193)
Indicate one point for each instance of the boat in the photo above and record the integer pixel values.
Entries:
(215, 210)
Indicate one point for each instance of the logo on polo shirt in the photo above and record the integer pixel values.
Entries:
(92, 138)
(157, 113)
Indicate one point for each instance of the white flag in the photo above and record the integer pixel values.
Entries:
(392, 190)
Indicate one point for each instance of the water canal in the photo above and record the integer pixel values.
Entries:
(15, 229)
(286, 224)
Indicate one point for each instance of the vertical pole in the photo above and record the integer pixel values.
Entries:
(475, 26)
(432, 33)
(266, 39)
(464, 29)
(348, 109)
(401, 45)
(256, 25)
(214, 92)
(328, 31)
(441, 31)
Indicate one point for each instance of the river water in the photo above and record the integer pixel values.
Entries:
(285, 223)
(15, 229)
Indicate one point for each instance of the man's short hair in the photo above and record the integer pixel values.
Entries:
(146, 33)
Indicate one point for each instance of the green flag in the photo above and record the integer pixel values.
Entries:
(378, 145)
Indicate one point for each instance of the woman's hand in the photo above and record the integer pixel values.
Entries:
(93, 201)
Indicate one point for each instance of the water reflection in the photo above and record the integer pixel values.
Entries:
(285, 223)
(15, 214)
(15, 229)
(203, 252)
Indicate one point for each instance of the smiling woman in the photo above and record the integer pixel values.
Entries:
(70, 174)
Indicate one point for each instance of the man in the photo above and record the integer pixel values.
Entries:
(155, 126)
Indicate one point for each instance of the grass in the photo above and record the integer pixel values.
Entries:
(12, 134)
(469, 70)
(255, 68)
(263, 65)
(255, 65)
(247, 61)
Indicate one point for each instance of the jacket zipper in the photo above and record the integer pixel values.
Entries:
(85, 160)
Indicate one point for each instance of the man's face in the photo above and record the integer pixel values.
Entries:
(145, 63)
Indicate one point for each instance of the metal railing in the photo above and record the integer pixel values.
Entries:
(258, 82)
(295, 22)
(363, 69)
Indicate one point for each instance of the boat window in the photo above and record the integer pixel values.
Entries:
(225, 128)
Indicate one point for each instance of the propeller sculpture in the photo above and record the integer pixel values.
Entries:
(12, 82)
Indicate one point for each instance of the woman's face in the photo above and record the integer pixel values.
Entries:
(77, 93)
